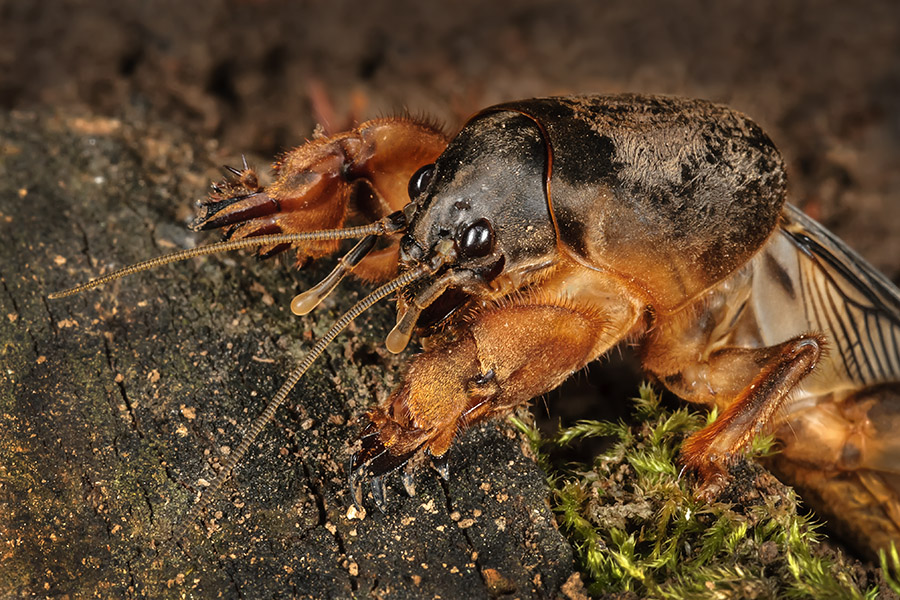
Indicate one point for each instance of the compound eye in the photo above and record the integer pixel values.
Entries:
(419, 181)
(477, 240)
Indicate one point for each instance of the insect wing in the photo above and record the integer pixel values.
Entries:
(841, 450)
(848, 297)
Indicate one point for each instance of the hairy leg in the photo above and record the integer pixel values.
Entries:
(779, 370)
(506, 355)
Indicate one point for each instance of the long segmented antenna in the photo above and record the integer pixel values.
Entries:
(278, 399)
(390, 224)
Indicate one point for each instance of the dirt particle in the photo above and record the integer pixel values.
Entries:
(768, 552)
(97, 126)
(497, 583)
(267, 298)
(355, 513)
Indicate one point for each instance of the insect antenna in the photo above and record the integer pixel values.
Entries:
(390, 224)
(281, 395)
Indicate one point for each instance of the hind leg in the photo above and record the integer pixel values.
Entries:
(843, 455)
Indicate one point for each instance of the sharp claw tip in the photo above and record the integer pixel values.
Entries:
(409, 483)
(378, 493)
(355, 492)
(442, 466)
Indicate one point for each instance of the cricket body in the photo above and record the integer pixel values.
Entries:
(548, 231)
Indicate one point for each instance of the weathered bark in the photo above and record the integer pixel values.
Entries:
(116, 402)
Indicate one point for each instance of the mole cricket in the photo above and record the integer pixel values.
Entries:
(550, 230)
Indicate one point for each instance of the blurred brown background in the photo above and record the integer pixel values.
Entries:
(821, 76)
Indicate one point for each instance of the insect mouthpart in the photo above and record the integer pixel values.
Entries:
(411, 251)
(444, 254)
(470, 262)
(305, 302)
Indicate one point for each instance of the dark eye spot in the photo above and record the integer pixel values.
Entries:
(476, 240)
(419, 181)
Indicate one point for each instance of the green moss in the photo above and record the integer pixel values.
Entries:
(636, 526)
(890, 566)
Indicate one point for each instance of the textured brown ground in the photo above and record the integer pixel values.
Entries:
(98, 440)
